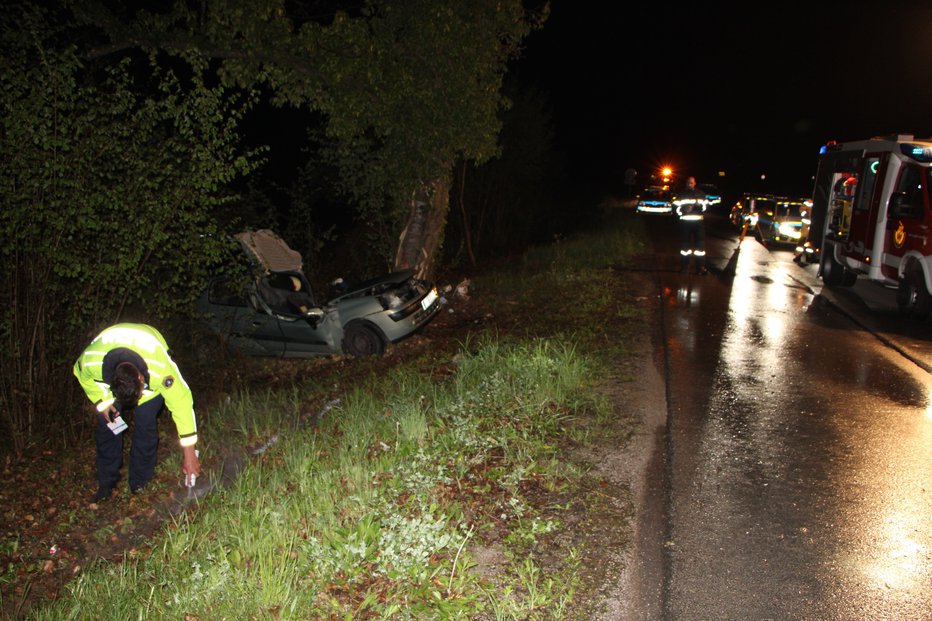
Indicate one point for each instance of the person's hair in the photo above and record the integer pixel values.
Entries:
(126, 386)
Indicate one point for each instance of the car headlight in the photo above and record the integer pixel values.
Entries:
(429, 298)
(790, 229)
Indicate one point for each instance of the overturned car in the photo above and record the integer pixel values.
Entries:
(274, 312)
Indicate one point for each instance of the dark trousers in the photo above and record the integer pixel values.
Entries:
(692, 243)
(142, 452)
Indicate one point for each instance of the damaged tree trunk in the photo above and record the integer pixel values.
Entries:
(419, 242)
(467, 230)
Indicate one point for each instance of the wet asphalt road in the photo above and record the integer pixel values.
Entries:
(793, 477)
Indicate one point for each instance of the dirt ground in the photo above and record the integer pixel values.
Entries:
(51, 531)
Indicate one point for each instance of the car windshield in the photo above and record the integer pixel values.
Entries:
(764, 206)
(789, 210)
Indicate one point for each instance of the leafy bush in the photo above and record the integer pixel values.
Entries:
(108, 175)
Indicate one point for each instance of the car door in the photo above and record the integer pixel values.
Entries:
(305, 336)
(233, 313)
(286, 296)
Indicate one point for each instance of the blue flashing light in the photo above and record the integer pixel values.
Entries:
(822, 150)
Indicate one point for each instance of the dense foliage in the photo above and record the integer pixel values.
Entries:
(404, 88)
(108, 182)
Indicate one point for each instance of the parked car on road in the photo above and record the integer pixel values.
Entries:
(655, 199)
(773, 219)
(779, 221)
(274, 312)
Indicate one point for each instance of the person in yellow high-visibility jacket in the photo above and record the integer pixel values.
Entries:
(127, 368)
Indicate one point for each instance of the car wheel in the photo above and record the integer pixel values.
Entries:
(834, 274)
(912, 296)
(361, 340)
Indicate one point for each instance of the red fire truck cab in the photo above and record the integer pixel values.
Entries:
(872, 217)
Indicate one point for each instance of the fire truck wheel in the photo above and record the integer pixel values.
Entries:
(913, 297)
(834, 274)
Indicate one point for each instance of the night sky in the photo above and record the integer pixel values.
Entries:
(750, 90)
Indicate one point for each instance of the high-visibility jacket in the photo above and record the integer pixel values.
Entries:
(690, 204)
(161, 373)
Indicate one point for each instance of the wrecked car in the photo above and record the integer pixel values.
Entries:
(274, 312)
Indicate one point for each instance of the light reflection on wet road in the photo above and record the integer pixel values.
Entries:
(799, 449)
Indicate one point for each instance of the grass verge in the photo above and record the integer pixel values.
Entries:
(437, 489)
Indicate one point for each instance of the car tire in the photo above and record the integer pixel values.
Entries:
(361, 340)
(912, 296)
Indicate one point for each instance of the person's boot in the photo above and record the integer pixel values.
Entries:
(103, 493)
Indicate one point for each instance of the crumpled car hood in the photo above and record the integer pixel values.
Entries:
(376, 285)
(274, 255)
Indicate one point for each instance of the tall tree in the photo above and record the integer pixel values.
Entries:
(515, 199)
(406, 86)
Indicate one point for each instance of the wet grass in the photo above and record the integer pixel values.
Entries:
(379, 505)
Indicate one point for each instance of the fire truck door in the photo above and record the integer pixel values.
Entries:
(907, 217)
(863, 206)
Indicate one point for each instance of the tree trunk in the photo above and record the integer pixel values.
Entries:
(420, 240)
(467, 231)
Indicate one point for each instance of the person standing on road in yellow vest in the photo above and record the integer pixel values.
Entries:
(690, 205)
(127, 368)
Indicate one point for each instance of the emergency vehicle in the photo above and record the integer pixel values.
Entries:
(871, 217)
(655, 200)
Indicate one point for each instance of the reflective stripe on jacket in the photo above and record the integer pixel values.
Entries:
(165, 378)
(690, 204)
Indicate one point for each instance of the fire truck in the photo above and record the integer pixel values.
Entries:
(872, 217)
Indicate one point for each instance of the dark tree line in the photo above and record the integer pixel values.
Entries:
(125, 166)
